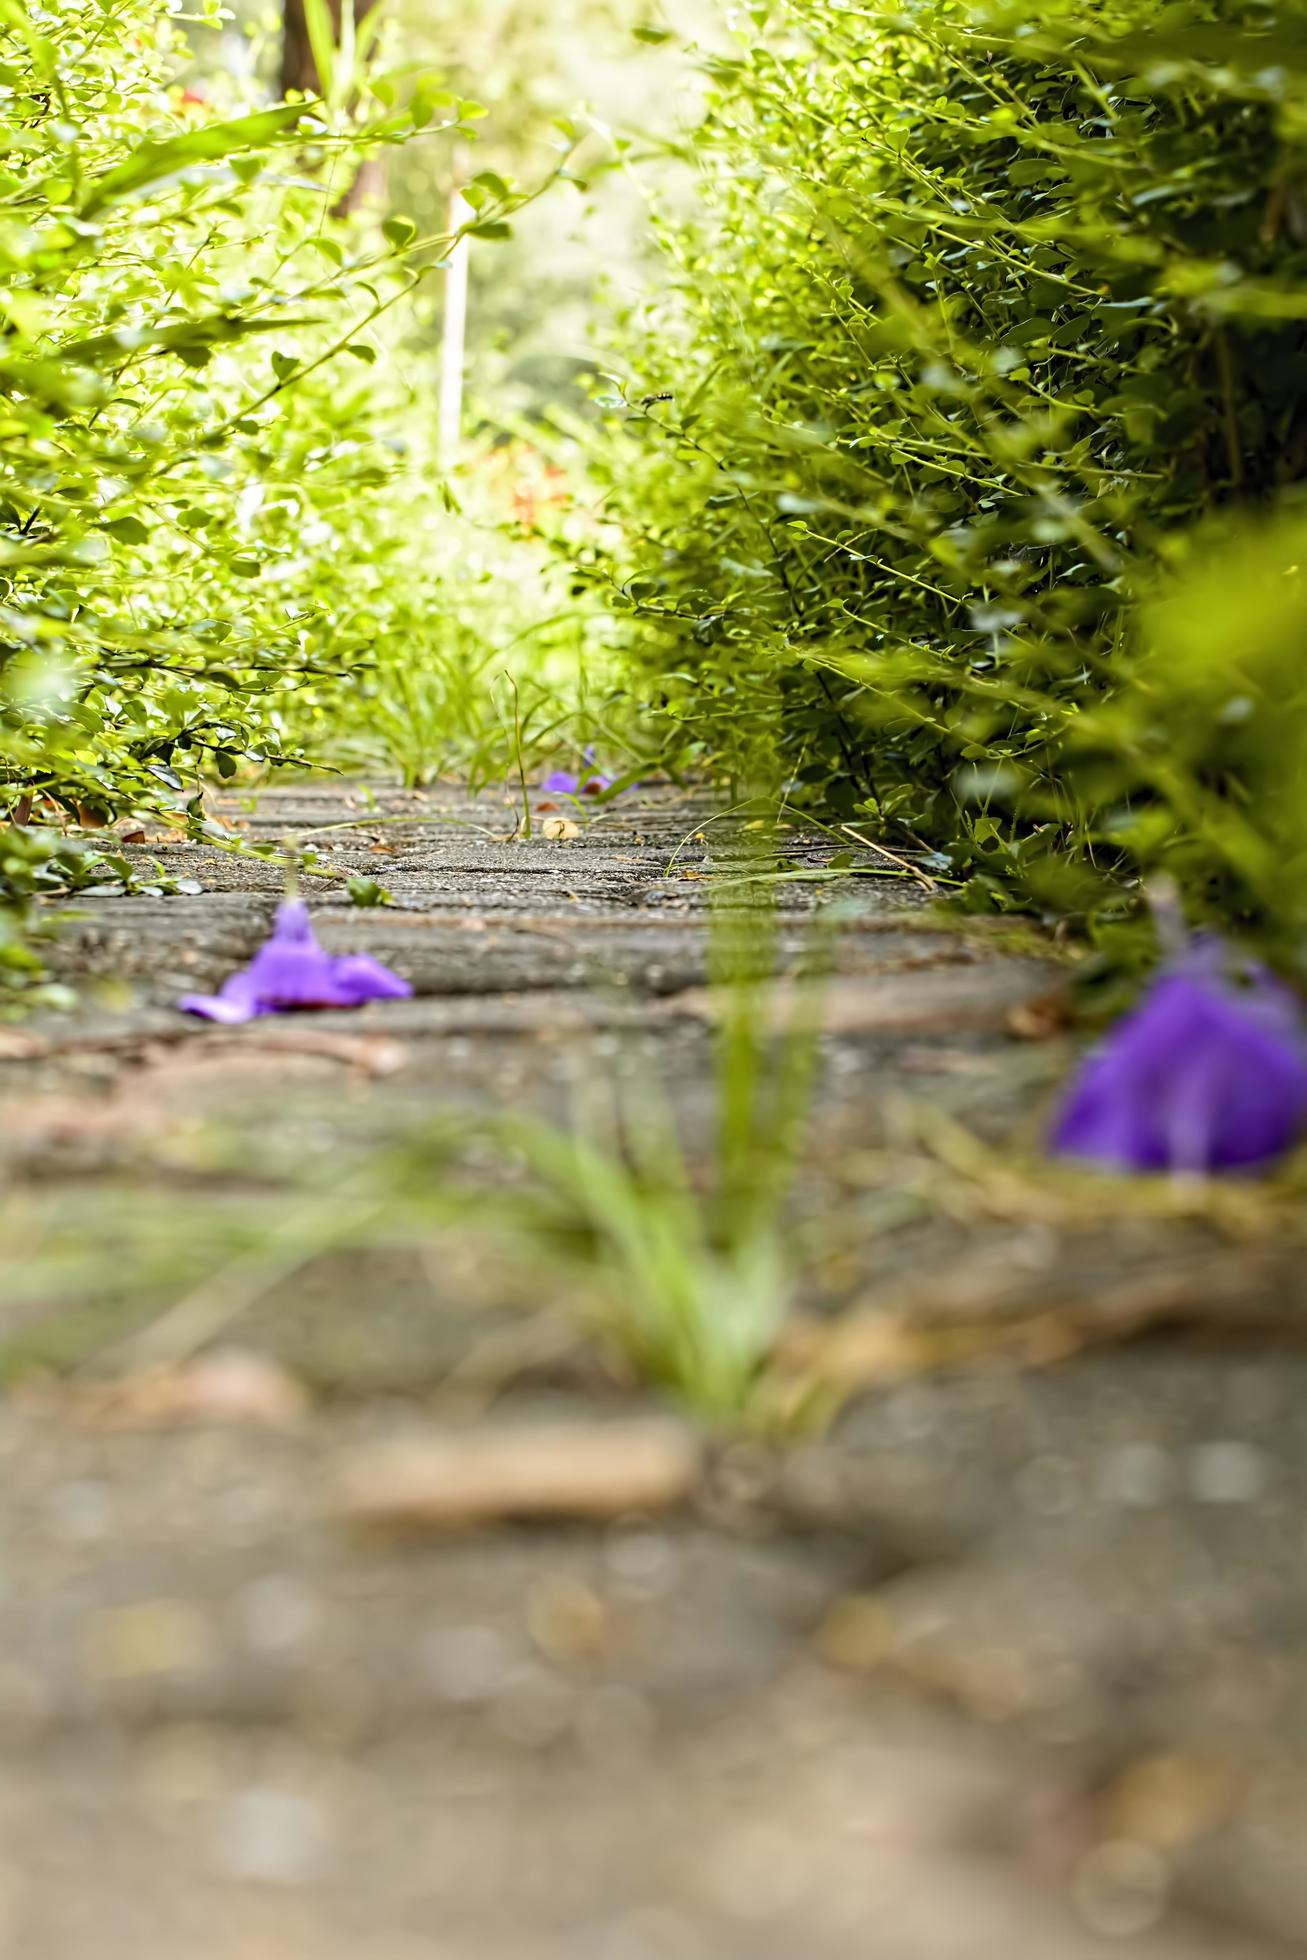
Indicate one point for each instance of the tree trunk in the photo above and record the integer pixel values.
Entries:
(298, 68)
(297, 65)
(299, 72)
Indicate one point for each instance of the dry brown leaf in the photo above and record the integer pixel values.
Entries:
(1043, 1018)
(1169, 1800)
(575, 1470)
(229, 1385)
(981, 1310)
(872, 1348)
(18, 1046)
(858, 1634)
(568, 1621)
(135, 830)
(863, 1634)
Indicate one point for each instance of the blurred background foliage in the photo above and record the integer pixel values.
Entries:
(894, 409)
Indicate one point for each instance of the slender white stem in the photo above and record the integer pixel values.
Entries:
(454, 337)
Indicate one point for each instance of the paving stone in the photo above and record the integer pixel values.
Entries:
(1010, 1662)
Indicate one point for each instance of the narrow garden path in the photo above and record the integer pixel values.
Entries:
(1011, 1657)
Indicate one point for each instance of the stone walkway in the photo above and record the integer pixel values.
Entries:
(1010, 1660)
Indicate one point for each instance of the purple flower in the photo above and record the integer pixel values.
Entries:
(1208, 1073)
(291, 970)
(562, 783)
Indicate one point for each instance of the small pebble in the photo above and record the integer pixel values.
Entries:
(1047, 1486)
(1137, 1477)
(642, 1564)
(534, 1706)
(278, 1615)
(1227, 1473)
(466, 1664)
(267, 1836)
(1120, 1889)
(82, 1512)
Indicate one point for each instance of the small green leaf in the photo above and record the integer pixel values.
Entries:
(129, 530)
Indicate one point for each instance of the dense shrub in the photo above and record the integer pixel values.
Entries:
(984, 308)
(201, 491)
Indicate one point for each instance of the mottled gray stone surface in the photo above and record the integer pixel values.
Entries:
(1011, 1662)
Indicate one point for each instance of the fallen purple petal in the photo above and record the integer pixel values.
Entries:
(291, 970)
(563, 784)
(1208, 1073)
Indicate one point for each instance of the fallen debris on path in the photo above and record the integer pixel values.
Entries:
(454, 1482)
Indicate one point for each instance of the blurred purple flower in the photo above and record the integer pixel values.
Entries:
(291, 970)
(1208, 1073)
(563, 783)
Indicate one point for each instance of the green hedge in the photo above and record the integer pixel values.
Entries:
(205, 520)
(980, 311)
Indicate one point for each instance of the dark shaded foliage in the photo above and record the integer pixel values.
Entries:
(984, 312)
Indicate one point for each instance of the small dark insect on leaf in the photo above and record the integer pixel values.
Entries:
(649, 401)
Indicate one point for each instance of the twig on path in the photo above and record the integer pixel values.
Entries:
(715, 816)
(521, 766)
(904, 864)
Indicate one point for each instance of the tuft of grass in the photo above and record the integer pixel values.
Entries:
(690, 1267)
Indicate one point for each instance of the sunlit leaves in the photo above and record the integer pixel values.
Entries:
(186, 461)
(984, 302)
(152, 164)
